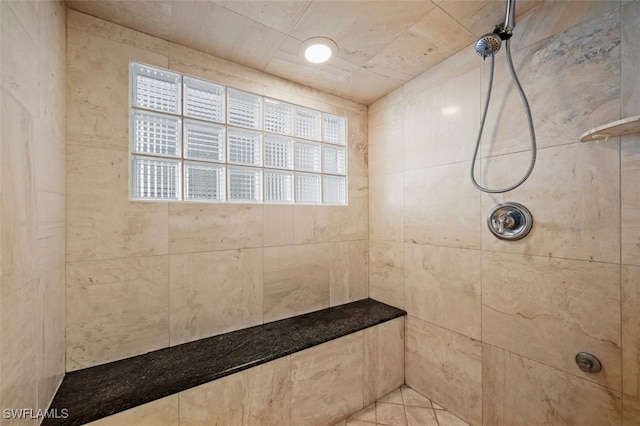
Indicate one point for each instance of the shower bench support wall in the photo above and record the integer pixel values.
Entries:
(315, 368)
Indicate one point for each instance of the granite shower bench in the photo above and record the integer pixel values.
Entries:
(315, 368)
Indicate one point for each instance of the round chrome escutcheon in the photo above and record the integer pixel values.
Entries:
(510, 221)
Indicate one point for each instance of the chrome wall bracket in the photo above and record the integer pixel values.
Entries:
(510, 221)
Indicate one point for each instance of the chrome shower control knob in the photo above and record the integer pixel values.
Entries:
(510, 221)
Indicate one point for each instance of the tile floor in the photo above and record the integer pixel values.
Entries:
(403, 407)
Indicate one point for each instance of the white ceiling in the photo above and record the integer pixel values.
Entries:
(382, 43)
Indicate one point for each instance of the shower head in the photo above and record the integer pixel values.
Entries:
(488, 45)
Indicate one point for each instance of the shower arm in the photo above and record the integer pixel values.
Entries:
(510, 17)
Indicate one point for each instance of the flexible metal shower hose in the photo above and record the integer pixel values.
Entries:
(484, 117)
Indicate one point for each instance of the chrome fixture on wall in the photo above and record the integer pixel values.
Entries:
(487, 46)
(588, 363)
(510, 221)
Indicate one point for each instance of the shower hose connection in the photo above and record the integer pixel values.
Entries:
(484, 117)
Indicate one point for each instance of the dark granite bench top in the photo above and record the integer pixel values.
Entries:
(103, 390)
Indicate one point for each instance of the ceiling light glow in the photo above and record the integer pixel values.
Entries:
(318, 50)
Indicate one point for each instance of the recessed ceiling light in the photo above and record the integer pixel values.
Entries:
(318, 50)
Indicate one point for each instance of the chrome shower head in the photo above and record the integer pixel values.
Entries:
(488, 45)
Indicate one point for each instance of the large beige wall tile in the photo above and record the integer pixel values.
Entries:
(551, 18)
(258, 396)
(51, 339)
(348, 272)
(442, 286)
(440, 124)
(631, 330)
(195, 227)
(383, 359)
(108, 30)
(327, 381)
(446, 367)
(161, 412)
(455, 66)
(554, 78)
(630, 199)
(98, 102)
(296, 280)
(116, 309)
(400, 58)
(20, 37)
(544, 308)
(385, 207)
(441, 207)
(521, 392)
(479, 16)
(288, 225)
(51, 126)
(150, 18)
(201, 22)
(50, 214)
(630, 58)
(386, 140)
(351, 222)
(50, 250)
(214, 293)
(19, 218)
(577, 219)
(19, 351)
(630, 411)
(357, 137)
(386, 272)
(281, 16)
(101, 221)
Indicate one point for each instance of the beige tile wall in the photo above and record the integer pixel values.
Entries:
(494, 326)
(32, 212)
(144, 275)
(315, 387)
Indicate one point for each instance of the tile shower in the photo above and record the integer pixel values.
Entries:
(492, 327)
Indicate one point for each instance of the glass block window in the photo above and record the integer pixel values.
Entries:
(333, 189)
(200, 141)
(278, 186)
(155, 134)
(205, 182)
(245, 184)
(278, 117)
(204, 100)
(334, 129)
(155, 89)
(278, 152)
(334, 160)
(307, 156)
(308, 188)
(245, 147)
(204, 141)
(155, 179)
(245, 109)
(307, 123)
